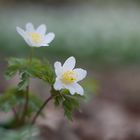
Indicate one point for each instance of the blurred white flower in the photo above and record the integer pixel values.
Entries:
(36, 37)
(67, 77)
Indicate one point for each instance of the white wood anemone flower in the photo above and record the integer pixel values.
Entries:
(67, 77)
(36, 37)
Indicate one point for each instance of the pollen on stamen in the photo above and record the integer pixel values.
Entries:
(35, 37)
(68, 77)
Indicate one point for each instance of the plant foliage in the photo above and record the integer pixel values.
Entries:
(15, 98)
(68, 102)
(29, 69)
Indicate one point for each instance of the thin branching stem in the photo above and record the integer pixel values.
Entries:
(31, 55)
(25, 110)
(42, 107)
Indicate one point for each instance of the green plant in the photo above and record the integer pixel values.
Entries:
(65, 91)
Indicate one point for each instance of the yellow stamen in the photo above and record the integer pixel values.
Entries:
(35, 37)
(68, 77)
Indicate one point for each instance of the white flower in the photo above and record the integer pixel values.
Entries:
(67, 77)
(36, 37)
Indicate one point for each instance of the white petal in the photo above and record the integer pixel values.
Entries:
(48, 38)
(43, 44)
(35, 45)
(29, 27)
(57, 85)
(21, 32)
(78, 89)
(80, 74)
(74, 88)
(72, 91)
(41, 29)
(70, 88)
(69, 64)
(24, 35)
(58, 68)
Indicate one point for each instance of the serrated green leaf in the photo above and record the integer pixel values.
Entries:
(14, 65)
(7, 100)
(24, 80)
(69, 105)
(68, 102)
(44, 72)
(14, 97)
(34, 68)
(58, 100)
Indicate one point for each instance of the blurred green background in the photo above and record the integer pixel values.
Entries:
(95, 32)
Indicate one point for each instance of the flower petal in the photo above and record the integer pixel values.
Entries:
(80, 74)
(29, 27)
(24, 35)
(41, 29)
(21, 32)
(75, 88)
(70, 88)
(69, 64)
(78, 88)
(57, 85)
(58, 68)
(48, 38)
(43, 44)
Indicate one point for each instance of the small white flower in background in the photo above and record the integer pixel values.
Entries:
(36, 37)
(67, 77)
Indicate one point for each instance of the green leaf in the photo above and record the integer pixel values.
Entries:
(8, 100)
(14, 97)
(24, 133)
(58, 100)
(69, 105)
(68, 102)
(14, 65)
(27, 69)
(24, 81)
(44, 71)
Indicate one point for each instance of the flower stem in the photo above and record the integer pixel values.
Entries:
(27, 101)
(41, 108)
(31, 55)
(25, 110)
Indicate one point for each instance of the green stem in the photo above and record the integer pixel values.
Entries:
(31, 55)
(25, 109)
(53, 95)
(27, 101)
(41, 108)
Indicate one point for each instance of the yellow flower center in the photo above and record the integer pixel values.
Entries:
(68, 77)
(35, 37)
